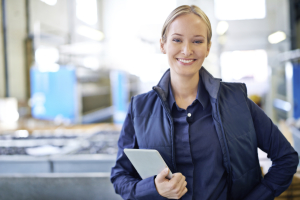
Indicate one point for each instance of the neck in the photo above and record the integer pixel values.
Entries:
(184, 88)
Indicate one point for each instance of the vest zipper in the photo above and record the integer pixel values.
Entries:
(172, 130)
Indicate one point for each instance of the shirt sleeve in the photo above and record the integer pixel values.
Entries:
(283, 156)
(125, 179)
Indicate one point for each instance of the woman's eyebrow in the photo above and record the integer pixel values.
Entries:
(182, 35)
(176, 34)
(199, 36)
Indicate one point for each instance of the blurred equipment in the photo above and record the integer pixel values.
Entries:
(292, 81)
(78, 148)
(296, 90)
(67, 186)
(120, 92)
(54, 94)
(256, 99)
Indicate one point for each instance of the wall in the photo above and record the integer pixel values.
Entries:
(16, 34)
(253, 34)
(2, 80)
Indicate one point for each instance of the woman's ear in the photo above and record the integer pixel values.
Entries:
(162, 46)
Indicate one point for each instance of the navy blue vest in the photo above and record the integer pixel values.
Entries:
(154, 129)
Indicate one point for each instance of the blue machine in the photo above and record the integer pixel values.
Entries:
(120, 95)
(296, 90)
(53, 94)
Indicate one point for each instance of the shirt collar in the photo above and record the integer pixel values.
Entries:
(171, 99)
(211, 84)
(202, 95)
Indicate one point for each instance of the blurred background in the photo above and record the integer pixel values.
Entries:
(68, 69)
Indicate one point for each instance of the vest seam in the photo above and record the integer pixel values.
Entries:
(249, 131)
(244, 174)
(236, 105)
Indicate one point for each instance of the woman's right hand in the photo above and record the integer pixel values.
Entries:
(171, 189)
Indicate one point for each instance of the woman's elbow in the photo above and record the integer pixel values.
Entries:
(295, 160)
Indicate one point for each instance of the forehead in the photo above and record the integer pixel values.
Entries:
(188, 24)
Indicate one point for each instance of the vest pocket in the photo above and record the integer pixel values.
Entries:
(243, 155)
(152, 131)
(242, 186)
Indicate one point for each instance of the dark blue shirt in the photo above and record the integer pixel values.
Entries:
(197, 148)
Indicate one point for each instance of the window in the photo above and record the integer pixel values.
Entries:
(86, 11)
(240, 9)
(237, 65)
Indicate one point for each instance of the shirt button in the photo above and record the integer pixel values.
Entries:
(189, 114)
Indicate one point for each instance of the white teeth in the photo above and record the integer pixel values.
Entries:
(185, 61)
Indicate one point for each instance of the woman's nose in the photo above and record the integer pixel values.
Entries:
(187, 49)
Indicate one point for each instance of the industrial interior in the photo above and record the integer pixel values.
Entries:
(68, 69)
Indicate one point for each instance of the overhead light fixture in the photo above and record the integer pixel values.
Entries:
(240, 9)
(222, 27)
(277, 37)
(90, 33)
(50, 2)
(46, 58)
(46, 55)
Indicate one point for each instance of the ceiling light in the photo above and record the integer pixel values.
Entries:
(86, 11)
(277, 37)
(90, 33)
(50, 2)
(222, 27)
(46, 55)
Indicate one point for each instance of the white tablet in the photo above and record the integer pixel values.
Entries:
(147, 162)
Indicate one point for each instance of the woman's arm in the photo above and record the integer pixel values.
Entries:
(284, 158)
(124, 177)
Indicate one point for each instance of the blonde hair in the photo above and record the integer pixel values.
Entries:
(182, 10)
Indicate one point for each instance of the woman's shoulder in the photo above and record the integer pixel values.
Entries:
(144, 101)
(234, 87)
(233, 92)
(144, 96)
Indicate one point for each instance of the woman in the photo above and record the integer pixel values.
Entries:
(206, 130)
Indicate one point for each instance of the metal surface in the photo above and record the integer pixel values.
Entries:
(57, 164)
(91, 186)
(60, 151)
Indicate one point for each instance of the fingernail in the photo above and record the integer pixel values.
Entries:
(166, 170)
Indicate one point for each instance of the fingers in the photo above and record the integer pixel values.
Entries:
(184, 190)
(171, 189)
(177, 178)
(181, 190)
(178, 185)
(162, 175)
(181, 181)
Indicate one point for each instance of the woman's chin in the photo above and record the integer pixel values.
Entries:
(187, 73)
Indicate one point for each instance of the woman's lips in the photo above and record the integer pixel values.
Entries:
(186, 61)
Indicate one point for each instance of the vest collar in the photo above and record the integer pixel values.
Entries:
(211, 84)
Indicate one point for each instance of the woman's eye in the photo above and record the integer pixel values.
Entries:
(198, 41)
(176, 40)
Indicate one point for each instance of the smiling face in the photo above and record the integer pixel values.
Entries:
(186, 45)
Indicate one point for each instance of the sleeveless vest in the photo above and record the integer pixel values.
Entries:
(154, 129)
